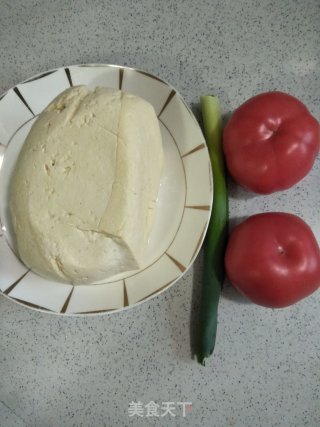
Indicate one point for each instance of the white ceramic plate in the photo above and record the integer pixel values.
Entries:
(184, 202)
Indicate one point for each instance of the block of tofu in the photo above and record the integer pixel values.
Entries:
(84, 189)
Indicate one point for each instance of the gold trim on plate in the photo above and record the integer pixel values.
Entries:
(20, 96)
(121, 72)
(199, 207)
(125, 295)
(170, 96)
(68, 73)
(181, 267)
(11, 287)
(65, 305)
(194, 150)
(32, 79)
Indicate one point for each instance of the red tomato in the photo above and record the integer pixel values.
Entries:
(273, 259)
(271, 142)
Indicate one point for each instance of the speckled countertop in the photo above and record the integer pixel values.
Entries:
(85, 371)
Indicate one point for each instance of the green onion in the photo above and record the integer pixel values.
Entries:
(216, 237)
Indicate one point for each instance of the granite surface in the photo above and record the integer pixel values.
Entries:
(90, 371)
